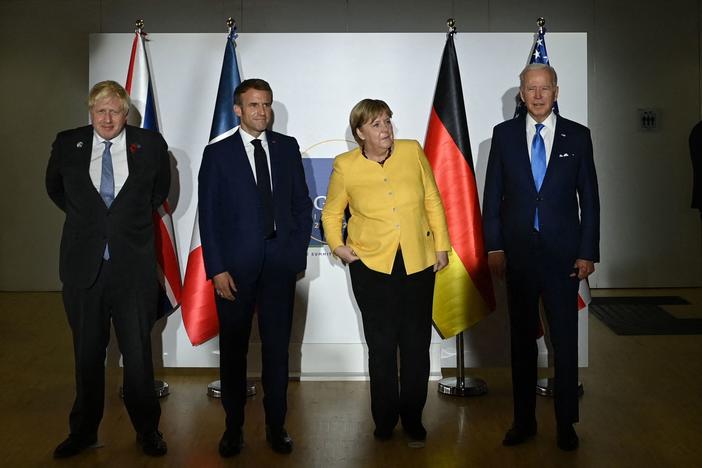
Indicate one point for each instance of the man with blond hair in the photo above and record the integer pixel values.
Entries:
(108, 178)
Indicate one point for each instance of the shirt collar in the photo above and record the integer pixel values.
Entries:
(115, 141)
(246, 137)
(549, 122)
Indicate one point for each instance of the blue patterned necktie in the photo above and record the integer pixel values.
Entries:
(107, 184)
(538, 165)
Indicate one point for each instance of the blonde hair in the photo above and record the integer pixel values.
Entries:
(364, 112)
(108, 89)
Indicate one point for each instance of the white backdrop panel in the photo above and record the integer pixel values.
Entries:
(316, 79)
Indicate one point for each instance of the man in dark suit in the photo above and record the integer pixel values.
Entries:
(255, 225)
(108, 178)
(541, 221)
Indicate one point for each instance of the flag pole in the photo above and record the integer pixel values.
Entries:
(461, 385)
(161, 387)
(544, 386)
(214, 388)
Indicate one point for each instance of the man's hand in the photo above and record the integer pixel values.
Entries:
(346, 254)
(441, 260)
(224, 286)
(497, 263)
(582, 268)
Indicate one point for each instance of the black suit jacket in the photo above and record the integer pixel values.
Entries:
(127, 225)
(230, 210)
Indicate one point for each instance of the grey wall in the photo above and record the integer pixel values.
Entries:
(641, 55)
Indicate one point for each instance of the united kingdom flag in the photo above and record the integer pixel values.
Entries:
(142, 96)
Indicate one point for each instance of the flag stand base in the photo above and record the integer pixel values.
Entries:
(461, 385)
(470, 386)
(544, 387)
(160, 387)
(214, 389)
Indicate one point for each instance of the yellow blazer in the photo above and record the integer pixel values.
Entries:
(396, 205)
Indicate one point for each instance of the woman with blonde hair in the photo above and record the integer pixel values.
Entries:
(397, 241)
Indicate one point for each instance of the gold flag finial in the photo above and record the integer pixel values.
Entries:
(451, 24)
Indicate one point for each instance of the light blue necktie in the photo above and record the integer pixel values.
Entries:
(107, 184)
(538, 165)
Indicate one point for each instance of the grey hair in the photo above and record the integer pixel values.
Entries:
(538, 66)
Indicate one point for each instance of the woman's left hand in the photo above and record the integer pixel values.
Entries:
(441, 260)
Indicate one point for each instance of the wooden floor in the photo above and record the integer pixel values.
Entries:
(642, 408)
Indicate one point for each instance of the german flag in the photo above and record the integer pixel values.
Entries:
(463, 294)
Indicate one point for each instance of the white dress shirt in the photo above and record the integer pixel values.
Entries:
(249, 147)
(120, 168)
(547, 133)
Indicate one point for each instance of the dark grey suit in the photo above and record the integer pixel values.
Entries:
(122, 290)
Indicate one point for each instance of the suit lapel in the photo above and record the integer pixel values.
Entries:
(522, 145)
(559, 136)
(84, 151)
(133, 146)
(275, 160)
(242, 159)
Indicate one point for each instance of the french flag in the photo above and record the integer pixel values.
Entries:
(198, 308)
(142, 96)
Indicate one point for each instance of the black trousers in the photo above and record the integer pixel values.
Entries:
(559, 293)
(396, 311)
(272, 295)
(132, 310)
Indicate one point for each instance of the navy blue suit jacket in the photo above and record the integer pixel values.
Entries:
(568, 201)
(230, 208)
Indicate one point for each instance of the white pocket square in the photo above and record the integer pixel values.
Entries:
(565, 155)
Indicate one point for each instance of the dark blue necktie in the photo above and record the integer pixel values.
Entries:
(107, 184)
(538, 165)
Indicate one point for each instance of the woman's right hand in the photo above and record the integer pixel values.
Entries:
(346, 254)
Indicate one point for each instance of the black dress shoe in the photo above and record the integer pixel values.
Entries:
(152, 443)
(279, 439)
(518, 434)
(567, 439)
(73, 446)
(415, 431)
(231, 443)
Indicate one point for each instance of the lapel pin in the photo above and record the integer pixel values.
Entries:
(563, 135)
(79, 144)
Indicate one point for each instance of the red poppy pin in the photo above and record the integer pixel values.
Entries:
(134, 147)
